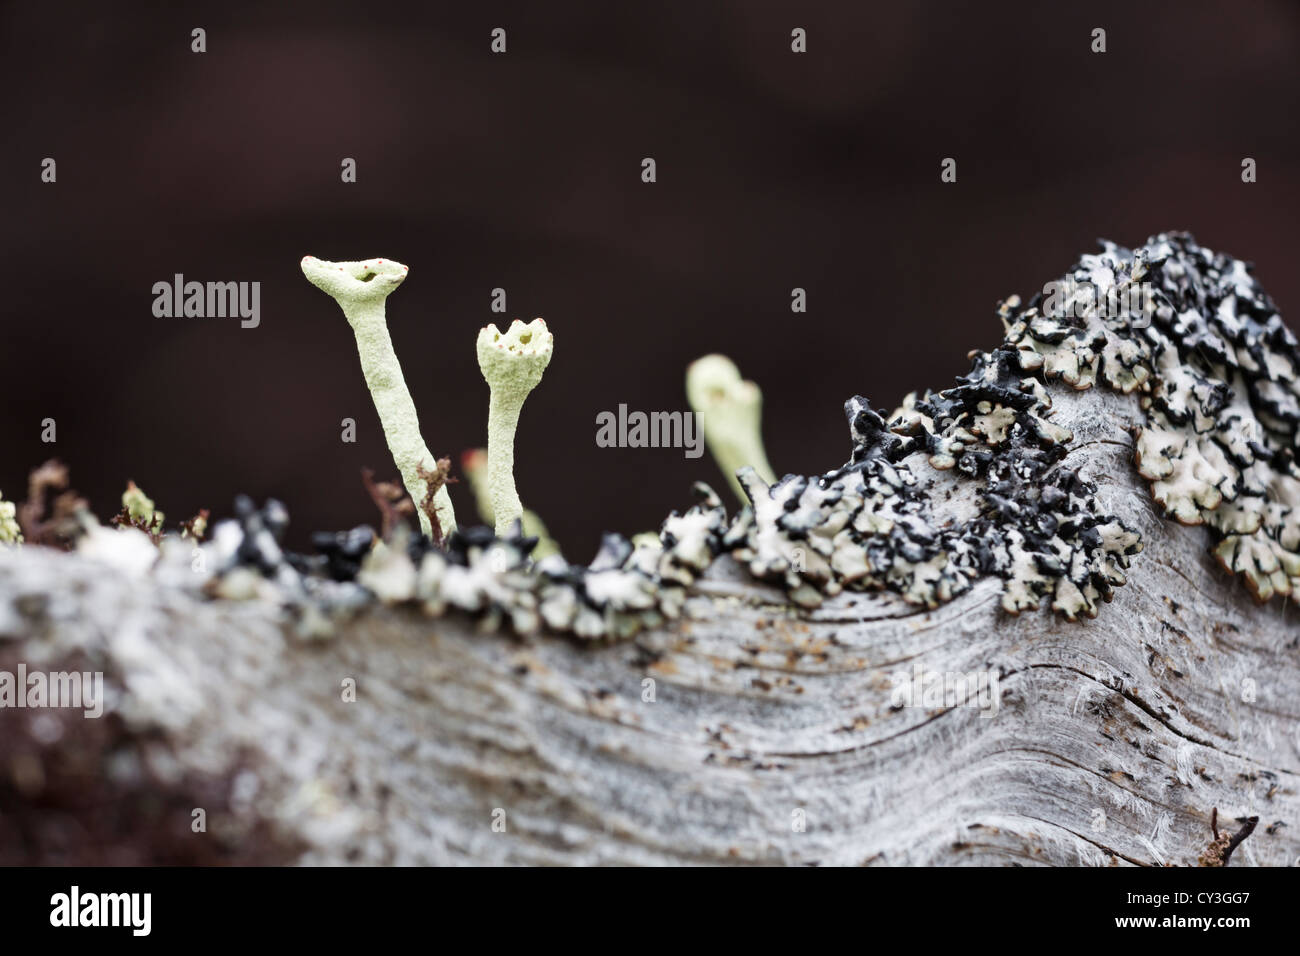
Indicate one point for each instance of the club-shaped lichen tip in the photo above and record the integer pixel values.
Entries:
(730, 410)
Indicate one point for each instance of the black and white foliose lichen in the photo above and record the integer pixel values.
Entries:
(871, 525)
(1204, 349)
(1216, 371)
(627, 588)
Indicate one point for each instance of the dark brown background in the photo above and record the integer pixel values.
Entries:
(523, 171)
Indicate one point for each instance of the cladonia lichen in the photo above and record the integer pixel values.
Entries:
(512, 362)
(140, 509)
(10, 532)
(730, 411)
(361, 290)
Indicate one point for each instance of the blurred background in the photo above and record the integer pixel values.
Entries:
(522, 171)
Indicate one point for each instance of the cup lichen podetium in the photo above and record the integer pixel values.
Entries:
(730, 411)
(361, 289)
(512, 362)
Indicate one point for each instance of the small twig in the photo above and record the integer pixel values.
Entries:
(1220, 850)
(42, 485)
(435, 478)
(1244, 832)
(391, 500)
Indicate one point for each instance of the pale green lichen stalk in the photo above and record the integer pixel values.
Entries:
(512, 362)
(730, 411)
(474, 464)
(361, 288)
(141, 507)
(10, 533)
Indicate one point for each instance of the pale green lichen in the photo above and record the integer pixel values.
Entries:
(474, 464)
(361, 289)
(140, 508)
(730, 411)
(10, 533)
(196, 527)
(512, 362)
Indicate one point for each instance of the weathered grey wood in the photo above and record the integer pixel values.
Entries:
(1144, 715)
